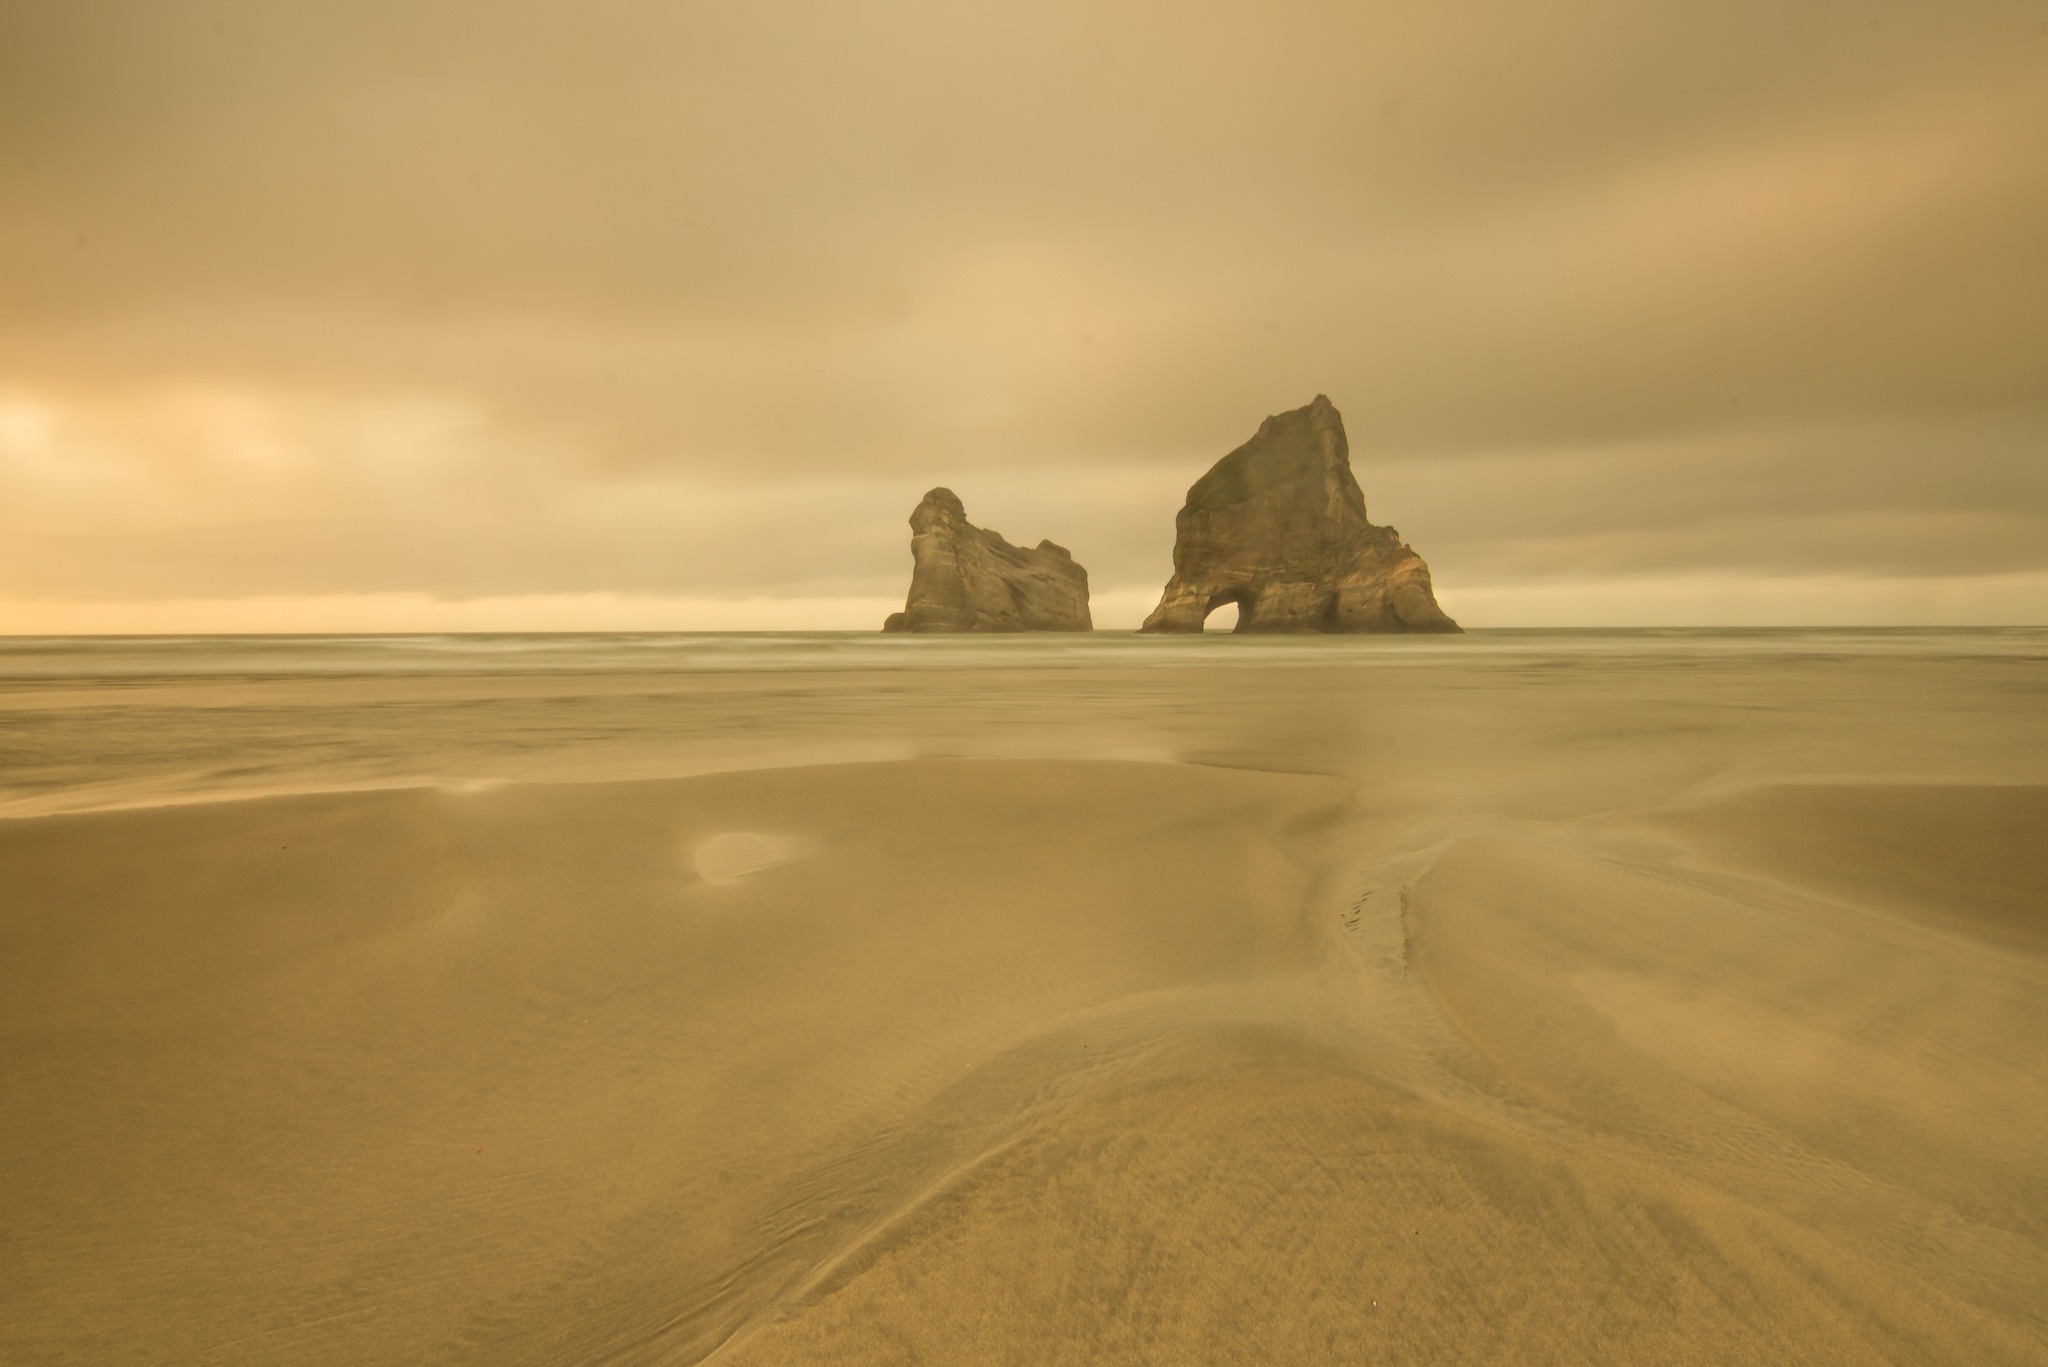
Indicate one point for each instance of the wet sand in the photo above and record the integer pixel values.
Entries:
(1652, 1009)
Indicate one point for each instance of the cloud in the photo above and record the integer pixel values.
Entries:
(379, 613)
(472, 301)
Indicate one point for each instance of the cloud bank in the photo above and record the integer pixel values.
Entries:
(404, 316)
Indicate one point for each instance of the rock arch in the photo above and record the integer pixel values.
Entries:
(1279, 526)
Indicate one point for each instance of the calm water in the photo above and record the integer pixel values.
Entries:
(29, 658)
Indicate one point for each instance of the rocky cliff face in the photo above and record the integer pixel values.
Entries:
(1279, 528)
(966, 578)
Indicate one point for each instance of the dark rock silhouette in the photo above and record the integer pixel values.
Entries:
(968, 579)
(1278, 527)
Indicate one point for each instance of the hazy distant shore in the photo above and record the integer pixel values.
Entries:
(1527, 997)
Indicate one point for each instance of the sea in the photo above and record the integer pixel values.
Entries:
(43, 659)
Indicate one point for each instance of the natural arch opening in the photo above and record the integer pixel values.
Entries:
(1223, 617)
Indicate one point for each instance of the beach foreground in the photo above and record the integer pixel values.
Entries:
(1463, 1005)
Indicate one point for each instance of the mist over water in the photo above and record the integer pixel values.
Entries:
(24, 658)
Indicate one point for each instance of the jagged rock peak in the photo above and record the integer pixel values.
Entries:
(1278, 527)
(966, 578)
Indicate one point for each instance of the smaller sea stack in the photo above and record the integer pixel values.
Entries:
(967, 578)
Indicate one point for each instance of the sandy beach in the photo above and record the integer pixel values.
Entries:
(1621, 1002)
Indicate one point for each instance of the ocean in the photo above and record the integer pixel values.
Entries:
(85, 658)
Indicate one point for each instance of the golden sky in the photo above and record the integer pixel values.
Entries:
(505, 315)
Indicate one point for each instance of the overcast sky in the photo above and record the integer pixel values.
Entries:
(507, 315)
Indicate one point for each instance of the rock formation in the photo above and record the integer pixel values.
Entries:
(1278, 527)
(966, 578)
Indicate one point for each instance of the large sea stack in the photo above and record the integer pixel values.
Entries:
(1278, 527)
(966, 578)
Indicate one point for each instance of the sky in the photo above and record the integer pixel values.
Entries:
(510, 316)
